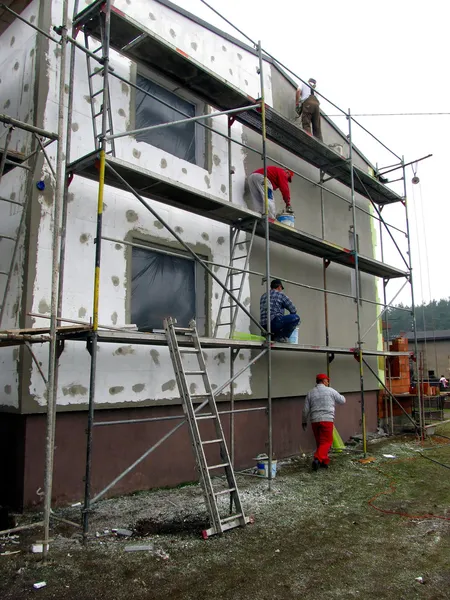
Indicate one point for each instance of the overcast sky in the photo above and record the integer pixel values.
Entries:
(383, 57)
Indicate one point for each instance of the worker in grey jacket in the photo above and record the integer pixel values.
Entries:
(319, 409)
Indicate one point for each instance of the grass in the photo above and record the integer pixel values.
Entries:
(315, 537)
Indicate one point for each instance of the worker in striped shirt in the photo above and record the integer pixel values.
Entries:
(319, 408)
(281, 325)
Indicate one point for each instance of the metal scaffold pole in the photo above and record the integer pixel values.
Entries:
(93, 341)
(413, 308)
(267, 244)
(52, 387)
(357, 284)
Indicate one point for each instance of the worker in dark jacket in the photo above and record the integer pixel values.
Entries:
(277, 178)
(307, 106)
(319, 408)
(281, 325)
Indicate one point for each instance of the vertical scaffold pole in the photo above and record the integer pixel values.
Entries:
(413, 306)
(267, 242)
(232, 356)
(325, 265)
(357, 286)
(93, 342)
(52, 387)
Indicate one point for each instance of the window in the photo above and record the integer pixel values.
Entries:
(187, 141)
(164, 285)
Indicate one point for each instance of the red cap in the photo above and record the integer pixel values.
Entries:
(322, 376)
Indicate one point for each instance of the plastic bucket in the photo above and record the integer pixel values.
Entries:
(293, 339)
(263, 468)
(286, 219)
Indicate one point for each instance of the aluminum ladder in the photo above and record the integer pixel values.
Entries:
(235, 279)
(202, 443)
(100, 94)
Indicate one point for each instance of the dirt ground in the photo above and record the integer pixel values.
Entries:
(352, 531)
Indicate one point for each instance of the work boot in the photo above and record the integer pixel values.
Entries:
(315, 464)
(323, 465)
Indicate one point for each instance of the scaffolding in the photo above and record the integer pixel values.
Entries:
(114, 30)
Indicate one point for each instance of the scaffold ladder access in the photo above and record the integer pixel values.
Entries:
(207, 436)
(241, 248)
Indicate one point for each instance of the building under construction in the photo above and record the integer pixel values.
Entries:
(115, 218)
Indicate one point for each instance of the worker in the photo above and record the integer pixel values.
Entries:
(307, 106)
(443, 382)
(319, 408)
(277, 178)
(281, 325)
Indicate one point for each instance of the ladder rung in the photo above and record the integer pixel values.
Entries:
(189, 350)
(97, 93)
(227, 519)
(194, 372)
(96, 72)
(205, 395)
(203, 417)
(222, 324)
(228, 491)
(221, 465)
(98, 114)
(213, 441)
(239, 257)
(183, 329)
(228, 306)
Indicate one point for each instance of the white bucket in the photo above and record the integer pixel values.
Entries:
(293, 339)
(286, 219)
(263, 468)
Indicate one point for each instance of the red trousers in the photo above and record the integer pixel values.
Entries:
(323, 432)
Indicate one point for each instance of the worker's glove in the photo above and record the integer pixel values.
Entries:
(304, 425)
(298, 108)
(289, 209)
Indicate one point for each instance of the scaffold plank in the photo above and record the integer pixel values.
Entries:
(144, 46)
(162, 189)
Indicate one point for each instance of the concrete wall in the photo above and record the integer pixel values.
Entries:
(143, 375)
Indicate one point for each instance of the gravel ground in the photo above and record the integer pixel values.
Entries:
(315, 536)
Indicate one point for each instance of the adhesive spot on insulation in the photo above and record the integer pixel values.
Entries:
(213, 58)
(216, 268)
(239, 56)
(16, 66)
(132, 216)
(118, 247)
(246, 82)
(121, 112)
(241, 357)
(75, 127)
(221, 240)
(193, 388)
(169, 385)
(214, 386)
(172, 33)
(138, 387)
(16, 354)
(207, 181)
(125, 89)
(7, 389)
(220, 358)
(152, 16)
(57, 52)
(224, 49)
(231, 71)
(158, 224)
(114, 318)
(75, 389)
(216, 295)
(163, 163)
(216, 160)
(13, 39)
(70, 197)
(205, 236)
(12, 196)
(32, 52)
(155, 357)
(247, 301)
(116, 389)
(179, 229)
(82, 312)
(66, 88)
(88, 99)
(124, 351)
(115, 280)
(194, 45)
(84, 238)
(43, 307)
(183, 170)
(223, 188)
(26, 87)
(32, 18)
(136, 153)
(7, 104)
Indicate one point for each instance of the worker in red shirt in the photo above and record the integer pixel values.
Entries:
(277, 178)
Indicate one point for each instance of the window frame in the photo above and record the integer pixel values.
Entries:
(202, 306)
(202, 135)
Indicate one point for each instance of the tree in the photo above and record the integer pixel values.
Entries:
(434, 316)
